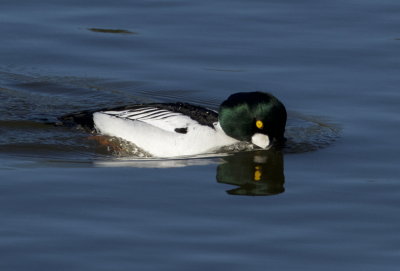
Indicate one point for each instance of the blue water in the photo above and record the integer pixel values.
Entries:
(327, 202)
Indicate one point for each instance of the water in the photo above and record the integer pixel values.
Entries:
(328, 201)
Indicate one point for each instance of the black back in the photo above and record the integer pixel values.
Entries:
(85, 118)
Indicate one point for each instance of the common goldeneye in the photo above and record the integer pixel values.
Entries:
(181, 129)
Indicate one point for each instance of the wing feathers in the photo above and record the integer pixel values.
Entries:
(143, 114)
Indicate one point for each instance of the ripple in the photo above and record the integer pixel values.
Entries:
(309, 133)
(111, 31)
(31, 103)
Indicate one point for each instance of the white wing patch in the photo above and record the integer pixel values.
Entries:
(159, 118)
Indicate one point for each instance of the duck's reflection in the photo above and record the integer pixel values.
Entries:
(258, 173)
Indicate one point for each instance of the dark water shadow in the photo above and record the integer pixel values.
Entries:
(112, 31)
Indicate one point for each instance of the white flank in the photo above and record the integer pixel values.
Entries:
(158, 137)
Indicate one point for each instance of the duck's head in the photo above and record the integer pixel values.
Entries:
(256, 117)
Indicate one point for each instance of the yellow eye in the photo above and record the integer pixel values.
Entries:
(259, 124)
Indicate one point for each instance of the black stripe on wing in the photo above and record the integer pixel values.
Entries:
(142, 113)
(200, 114)
(161, 110)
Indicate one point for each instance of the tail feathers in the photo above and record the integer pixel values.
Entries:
(83, 119)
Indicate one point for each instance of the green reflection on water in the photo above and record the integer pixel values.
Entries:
(257, 173)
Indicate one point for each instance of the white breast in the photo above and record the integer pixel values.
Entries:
(154, 132)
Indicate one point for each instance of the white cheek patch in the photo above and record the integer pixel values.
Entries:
(260, 140)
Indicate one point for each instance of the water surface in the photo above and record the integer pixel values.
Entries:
(328, 201)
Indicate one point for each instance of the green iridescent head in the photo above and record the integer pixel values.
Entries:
(255, 117)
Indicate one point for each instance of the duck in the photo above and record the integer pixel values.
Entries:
(180, 129)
